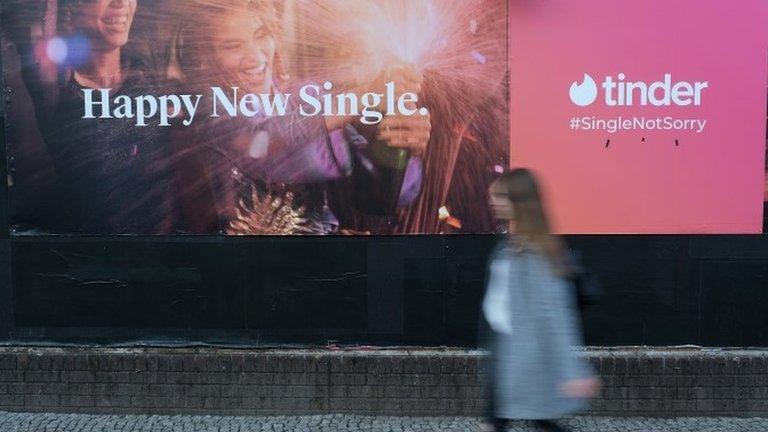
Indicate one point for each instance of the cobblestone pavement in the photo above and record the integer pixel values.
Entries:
(12, 422)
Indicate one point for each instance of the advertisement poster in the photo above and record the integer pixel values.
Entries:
(306, 117)
(378, 117)
(642, 117)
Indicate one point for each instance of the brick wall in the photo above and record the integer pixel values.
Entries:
(392, 382)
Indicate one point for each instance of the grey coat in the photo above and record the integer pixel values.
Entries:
(535, 326)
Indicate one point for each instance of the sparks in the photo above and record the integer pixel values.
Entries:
(443, 213)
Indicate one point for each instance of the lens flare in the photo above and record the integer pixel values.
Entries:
(79, 50)
(56, 49)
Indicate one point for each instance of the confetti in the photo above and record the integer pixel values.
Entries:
(473, 26)
(479, 57)
(444, 213)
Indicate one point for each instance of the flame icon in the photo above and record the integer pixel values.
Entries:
(585, 93)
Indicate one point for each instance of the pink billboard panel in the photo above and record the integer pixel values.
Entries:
(642, 116)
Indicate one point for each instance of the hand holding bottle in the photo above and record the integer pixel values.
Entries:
(405, 132)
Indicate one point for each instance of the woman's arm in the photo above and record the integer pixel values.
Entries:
(496, 303)
(294, 149)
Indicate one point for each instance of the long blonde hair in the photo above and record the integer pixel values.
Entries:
(530, 217)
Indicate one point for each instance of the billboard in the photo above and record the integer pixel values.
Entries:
(643, 117)
(370, 117)
(254, 117)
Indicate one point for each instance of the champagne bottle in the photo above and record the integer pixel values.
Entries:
(391, 163)
(383, 182)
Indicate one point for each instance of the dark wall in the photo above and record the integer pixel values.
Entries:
(659, 290)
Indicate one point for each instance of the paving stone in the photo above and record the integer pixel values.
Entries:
(21, 422)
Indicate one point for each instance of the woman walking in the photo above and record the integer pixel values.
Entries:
(530, 307)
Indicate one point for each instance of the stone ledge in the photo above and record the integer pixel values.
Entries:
(667, 382)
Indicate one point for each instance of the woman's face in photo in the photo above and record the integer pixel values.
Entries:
(244, 51)
(106, 22)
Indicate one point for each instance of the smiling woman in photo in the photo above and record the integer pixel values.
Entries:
(111, 177)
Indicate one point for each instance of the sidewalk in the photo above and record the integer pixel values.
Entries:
(12, 422)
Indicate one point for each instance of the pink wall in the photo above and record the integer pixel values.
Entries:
(712, 182)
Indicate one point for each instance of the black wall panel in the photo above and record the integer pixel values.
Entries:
(425, 290)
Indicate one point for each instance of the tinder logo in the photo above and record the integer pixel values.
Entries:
(619, 92)
(584, 94)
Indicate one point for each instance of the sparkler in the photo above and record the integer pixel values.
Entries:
(460, 47)
(272, 215)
